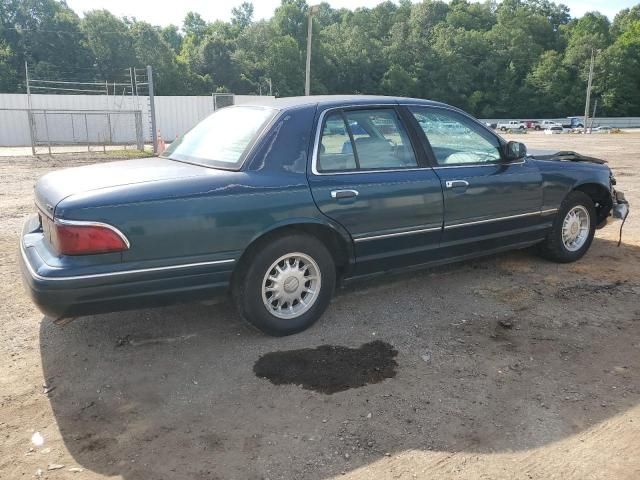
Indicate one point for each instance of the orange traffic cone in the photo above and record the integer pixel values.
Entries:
(161, 144)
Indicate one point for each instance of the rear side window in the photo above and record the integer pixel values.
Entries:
(335, 145)
(223, 138)
(364, 140)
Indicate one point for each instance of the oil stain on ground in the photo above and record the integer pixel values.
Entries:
(329, 368)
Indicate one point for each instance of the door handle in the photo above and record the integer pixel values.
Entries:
(338, 194)
(456, 183)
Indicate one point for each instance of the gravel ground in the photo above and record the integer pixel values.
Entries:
(503, 367)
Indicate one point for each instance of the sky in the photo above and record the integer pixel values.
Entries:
(165, 12)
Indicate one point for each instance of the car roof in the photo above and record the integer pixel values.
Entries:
(284, 103)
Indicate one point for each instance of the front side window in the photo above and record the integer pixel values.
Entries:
(364, 140)
(454, 139)
(223, 138)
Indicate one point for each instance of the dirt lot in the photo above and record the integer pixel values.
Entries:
(504, 367)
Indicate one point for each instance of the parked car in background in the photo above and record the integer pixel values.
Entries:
(554, 130)
(491, 125)
(574, 122)
(532, 124)
(279, 203)
(511, 125)
(544, 124)
(602, 129)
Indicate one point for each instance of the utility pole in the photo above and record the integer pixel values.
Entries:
(307, 75)
(593, 115)
(270, 87)
(589, 82)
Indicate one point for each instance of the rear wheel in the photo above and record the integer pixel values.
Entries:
(287, 284)
(573, 229)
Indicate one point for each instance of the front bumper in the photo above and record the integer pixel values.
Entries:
(620, 208)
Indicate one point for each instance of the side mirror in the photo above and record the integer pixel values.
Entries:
(515, 150)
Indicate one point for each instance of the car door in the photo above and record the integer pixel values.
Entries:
(489, 203)
(368, 175)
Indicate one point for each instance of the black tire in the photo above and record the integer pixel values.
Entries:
(537, 128)
(248, 293)
(553, 248)
(503, 129)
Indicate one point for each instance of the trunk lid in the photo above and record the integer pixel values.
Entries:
(54, 187)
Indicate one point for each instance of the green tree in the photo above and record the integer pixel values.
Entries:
(620, 87)
(171, 34)
(242, 16)
(110, 42)
(151, 49)
(507, 58)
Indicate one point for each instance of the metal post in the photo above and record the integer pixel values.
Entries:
(29, 114)
(270, 93)
(152, 110)
(135, 78)
(586, 106)
(109, 124)
(133, 106)
(139, 134)
(46, 129)
(307, 72)
(86, 129)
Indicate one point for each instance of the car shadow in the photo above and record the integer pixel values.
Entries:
(504, 353)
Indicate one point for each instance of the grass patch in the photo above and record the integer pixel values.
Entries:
(124, 153)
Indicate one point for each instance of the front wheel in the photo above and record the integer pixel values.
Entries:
(573, 230)
(287, 285)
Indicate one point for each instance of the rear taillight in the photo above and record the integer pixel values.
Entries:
(86, 238)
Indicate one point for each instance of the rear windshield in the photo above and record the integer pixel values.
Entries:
(222, 139)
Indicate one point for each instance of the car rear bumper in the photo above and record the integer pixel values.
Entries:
(60, 294)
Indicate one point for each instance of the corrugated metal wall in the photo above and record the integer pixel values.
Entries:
(174, 115)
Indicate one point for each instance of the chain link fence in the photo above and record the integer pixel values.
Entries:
(86, 128)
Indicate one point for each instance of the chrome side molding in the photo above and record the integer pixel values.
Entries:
(37, 276)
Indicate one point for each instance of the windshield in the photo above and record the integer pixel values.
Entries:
(222, 139)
